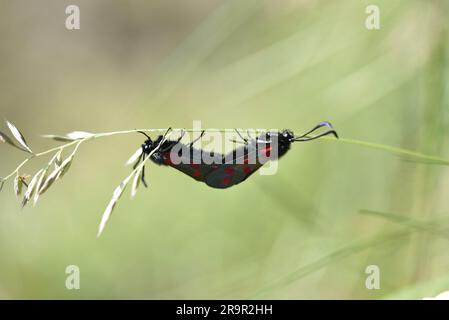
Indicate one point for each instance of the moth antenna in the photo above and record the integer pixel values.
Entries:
(319, 125)
(307, 138)
(144, 134)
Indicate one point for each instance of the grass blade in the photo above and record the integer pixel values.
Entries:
(19, 136)
(18, 183)
(115, 197)
(136, 182)
(5, 139)
(56, 137)
(31, 188)
(134, 157)
(56, 174)
(77, 135)
(42, 178)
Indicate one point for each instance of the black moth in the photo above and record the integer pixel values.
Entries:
(225, 170)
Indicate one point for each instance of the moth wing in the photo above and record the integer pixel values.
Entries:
(227, 175)
(192, 166)
(233, 172)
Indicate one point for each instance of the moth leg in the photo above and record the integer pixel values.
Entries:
(138, 160)
(201, 135)
(142, 177)
(171, 145)
(237, 141)
(183, 132)
(162, 140)
(248, 133)
(241, 137)
(244, 140)
(177, 141)
(258, 140)
(263, 142)
(165, 135)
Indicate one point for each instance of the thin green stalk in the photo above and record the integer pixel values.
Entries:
(399, 151)
(395, 150)
(36, 155)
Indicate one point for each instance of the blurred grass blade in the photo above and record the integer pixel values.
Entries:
(134, 157)
(420, 290)
(356, 248)
(136, 182)
(115, 197)
(119, 190)
(71, 136)
(56, 174)
(389, 216)
(77, 135)
(193, 50)
(31, 187)
(18, 183)
(434, 226)
(42, 178)
(64, 167)
(58, 159)
(57, 137)
(5, 139)
(19, 136)
(420, 161)
(331, 258)
(48, 182)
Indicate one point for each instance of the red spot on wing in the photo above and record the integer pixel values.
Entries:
(229, 170)
(197, 172)
(167, 160)
(266, 150)
(246, 169)
(226, 181)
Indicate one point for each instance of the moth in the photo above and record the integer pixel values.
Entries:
(224, 170)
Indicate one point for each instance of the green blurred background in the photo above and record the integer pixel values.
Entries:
(249, 64)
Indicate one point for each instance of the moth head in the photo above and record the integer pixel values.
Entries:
(148, 145)
(287, 135)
